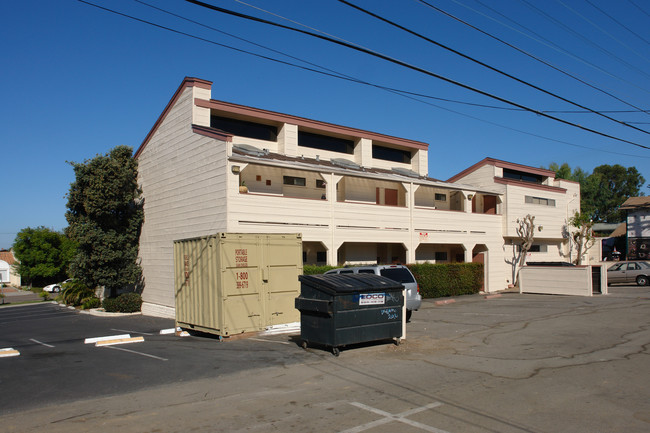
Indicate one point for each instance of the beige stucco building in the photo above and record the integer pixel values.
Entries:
(355, 196)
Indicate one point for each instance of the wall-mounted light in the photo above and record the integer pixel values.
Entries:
(470, 196)
(540, 228)
(235, 169)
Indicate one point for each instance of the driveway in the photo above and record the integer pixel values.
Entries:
(513, 363)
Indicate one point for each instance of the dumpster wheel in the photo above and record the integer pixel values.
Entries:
(336, 351)
(398, 341)
(303, 344)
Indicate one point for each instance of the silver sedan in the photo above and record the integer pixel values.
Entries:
(629, 272)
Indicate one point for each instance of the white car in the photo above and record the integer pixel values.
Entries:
(55, 288)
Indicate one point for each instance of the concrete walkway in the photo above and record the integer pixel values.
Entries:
(13, 295)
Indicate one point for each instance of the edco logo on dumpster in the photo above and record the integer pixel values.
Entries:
(372, 298)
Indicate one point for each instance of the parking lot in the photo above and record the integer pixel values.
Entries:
(510, 363)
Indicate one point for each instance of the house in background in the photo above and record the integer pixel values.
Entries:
(637, 227)
(356, 196)
(8, 273)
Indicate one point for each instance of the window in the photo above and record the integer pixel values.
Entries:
(441, 197)
(320, 183)
(304, 256)
(540, 200)
(390, 154)
(294, 181)
(324, 142)
(441, 256)
(321, 256)
(366, 271)
(401, 275)
(538, 248)
(521, 175)
(244, 128)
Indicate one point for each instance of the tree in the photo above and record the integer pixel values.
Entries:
(105, 216)
(526, 232)
(604, 190)
(583, 236)
(615, 184)
(44, 255)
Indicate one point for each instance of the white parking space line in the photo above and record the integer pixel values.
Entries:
(40, 342)
(169, 331)
(136, 352)
(389, 417)
(132, 332)
(268, 341)
(7, 352)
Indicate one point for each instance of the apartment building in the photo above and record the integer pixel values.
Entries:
(356, 196)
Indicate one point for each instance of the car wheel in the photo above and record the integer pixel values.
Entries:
(642, 280)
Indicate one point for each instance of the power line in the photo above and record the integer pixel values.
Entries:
(583, 38)
(533, 57)
(618, 22)
(602, 29)
(412, 67)
(402, 93)
(544, 41)
(485, 65)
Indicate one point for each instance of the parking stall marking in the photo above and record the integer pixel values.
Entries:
(136, 352)
(40, 342)
(389, 417)
(109, 337)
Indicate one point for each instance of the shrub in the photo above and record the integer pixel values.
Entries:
(89, 303)
(75, 292)
(451, 279)
(313, 269)
(125, 303)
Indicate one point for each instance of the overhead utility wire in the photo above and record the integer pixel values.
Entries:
(533, 57)
(544, 41)
(639, 8)
(602, 30)
(618, 22)
(584, 39)
(360, 82)
(485, 65)
(415, 68)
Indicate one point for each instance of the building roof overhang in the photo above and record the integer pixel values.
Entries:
(318, 165)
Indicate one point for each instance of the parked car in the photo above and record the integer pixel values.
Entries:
(629, 272)
(399, 273)
(55, 288)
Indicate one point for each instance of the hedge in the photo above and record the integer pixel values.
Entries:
(313, 269)
(451, 279)
(125, 303)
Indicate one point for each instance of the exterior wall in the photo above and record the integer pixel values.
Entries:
(638, 224)
(182, 175)
(4, 272)
(575, 281)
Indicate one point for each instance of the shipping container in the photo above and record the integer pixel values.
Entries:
(231, 283)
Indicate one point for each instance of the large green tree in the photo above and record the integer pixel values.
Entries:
(604, 190)
(44, 255)
(105, 216)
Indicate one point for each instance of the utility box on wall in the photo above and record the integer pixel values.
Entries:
(231, 283)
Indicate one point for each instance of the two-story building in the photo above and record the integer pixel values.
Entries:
(356, 196)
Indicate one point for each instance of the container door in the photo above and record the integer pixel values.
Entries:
(282, 265)
(241, 285)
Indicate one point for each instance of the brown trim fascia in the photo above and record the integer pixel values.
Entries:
(502, 164)
(524, 184)
(212, 133)
(187, 82)
(307, 123)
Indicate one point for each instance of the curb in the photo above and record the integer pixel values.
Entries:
(445, 302)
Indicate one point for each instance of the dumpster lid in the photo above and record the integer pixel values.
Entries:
(347, 283)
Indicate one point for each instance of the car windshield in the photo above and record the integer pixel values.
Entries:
(401, 275)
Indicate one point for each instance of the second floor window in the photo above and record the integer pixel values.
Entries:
(540, 200)
(390, 154)
(294, 181)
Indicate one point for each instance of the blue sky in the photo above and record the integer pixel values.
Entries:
(77, 81)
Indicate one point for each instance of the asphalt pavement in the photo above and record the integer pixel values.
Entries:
(509, 363)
